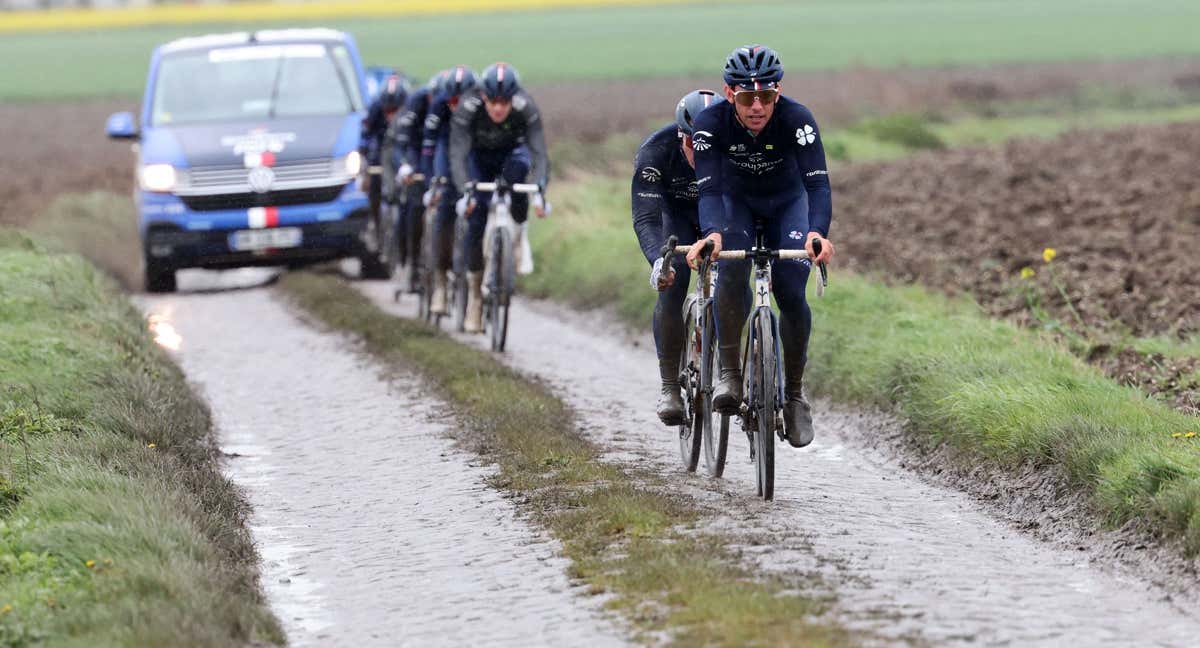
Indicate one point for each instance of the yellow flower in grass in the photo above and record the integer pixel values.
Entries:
(151, 446)
(1176, 435)
(6, 609)
(1189, 435)
(1048, 254)
(1027, 273)
(89, 564)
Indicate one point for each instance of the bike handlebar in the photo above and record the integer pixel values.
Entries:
(739, 255)
(520, 187)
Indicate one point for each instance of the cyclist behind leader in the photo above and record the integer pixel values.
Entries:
(495, 135)
(664, 198)
(456, 87)
(402, 152)
(370, 143)
(759, 157)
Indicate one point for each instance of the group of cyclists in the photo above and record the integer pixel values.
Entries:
(434, 143)
(731, 163)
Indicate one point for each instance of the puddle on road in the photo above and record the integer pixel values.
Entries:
(373, 529)
(910, 561)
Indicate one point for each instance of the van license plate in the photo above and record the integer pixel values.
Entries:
(263, 239)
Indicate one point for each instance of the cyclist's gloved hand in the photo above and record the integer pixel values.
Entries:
(693, 255)
(540, 205)
(662, 276)
(404, 175)
(465, 205)
(826, 254)
(427, 198)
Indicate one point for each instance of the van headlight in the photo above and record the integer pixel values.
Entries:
(353, 163)
(157, 177)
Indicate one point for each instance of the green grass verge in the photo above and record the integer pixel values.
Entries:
(624, 535)
(650, 41)
(1002, 393)
(116, 527)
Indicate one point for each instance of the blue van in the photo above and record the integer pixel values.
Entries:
(248, 154)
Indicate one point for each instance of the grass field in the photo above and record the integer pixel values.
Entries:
(116, 526)
(652, 41)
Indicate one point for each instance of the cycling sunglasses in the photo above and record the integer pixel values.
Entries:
(746, 97)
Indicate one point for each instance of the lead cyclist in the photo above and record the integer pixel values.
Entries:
(759, 157)
(664, 196)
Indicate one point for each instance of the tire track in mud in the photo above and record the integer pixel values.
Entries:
(911, 561)
(373, 528)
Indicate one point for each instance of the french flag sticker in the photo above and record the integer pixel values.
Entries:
(260, 217)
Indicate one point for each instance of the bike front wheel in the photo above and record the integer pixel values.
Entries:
(764, 403)
(715, 441)
(503, 265)
(694, 411)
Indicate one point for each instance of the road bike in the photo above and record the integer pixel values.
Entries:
(501, 256)
(697, 366)
(406, 225)
(762, 372)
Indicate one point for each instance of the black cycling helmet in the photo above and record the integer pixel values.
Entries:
(692, 104)
(459, 79)
(501, 81)
(435, 81)
(753, 64)
(393, 93)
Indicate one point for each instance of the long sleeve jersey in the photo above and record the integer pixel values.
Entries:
(787, 153)
(663, 182)
(436, 133)
(374, 126)
(402, 144)
(472, 129)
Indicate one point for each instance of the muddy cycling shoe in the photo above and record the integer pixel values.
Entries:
(437, 301)
(474, 323)
(670, 405)
(797, 421)
(727, 397)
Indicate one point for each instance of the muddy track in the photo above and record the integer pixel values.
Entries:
(375, 530)
(912, 561)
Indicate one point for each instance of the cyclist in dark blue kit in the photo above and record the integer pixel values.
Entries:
(374, 126)
(759, 157)
(402, 155)
(457, 86)
(664, 197)
(496, 134)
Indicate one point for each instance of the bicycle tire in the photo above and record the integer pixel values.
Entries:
(498, 263)
(459, 290)
(765, 403)
(429, 254)
(690, 432)
(716, 445)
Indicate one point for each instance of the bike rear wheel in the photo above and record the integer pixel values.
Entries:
(763, 402)
(715, 441)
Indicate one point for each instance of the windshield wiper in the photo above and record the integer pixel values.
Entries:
(275, 89)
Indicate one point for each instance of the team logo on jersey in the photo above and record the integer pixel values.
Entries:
(737, 148)
(650, 174)
(805, 135)
(700, 140)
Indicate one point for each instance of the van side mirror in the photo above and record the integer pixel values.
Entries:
(121, 126)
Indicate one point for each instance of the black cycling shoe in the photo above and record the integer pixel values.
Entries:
(727, 396)
(670, 406)
(797, 421)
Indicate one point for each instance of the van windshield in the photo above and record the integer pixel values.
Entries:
(255, 82)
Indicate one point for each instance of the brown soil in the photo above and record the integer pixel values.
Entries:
(1122, 210)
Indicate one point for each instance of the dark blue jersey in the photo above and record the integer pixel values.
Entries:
(784, 157)
(663, 182)
(374, 126)
(473, 130)
(435, 140)
(407, 129)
